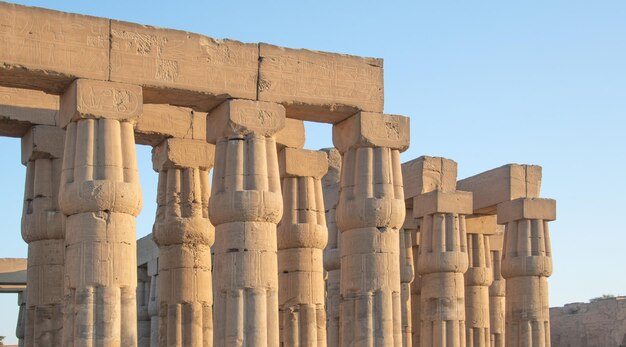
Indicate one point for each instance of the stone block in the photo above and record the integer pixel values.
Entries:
(526, 208)
(242, 117)
(292, 135)
(505, 183)
(100, 99)
(182, 68)
(319, 86)
(496, 241)
(442, 202)
(481, 225)
(295, 162)
(183, 153)
(369, 129)
(43, 141)
(22, 108)
(158, 122)
(426, 174)
(47, 50)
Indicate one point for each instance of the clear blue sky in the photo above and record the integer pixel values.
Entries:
(485, 84)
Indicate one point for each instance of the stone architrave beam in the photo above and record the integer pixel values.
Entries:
(502, 184)
(47, 50)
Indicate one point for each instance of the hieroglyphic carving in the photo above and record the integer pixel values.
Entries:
(99, 99)
(332, 82)
(164, 58)
(70, 45)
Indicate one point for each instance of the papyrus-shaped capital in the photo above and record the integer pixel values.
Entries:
(370, 129)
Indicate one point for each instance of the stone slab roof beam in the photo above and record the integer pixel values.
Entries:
(182, 68)
(502, 184)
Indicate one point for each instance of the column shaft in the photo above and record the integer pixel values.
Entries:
(406, 277)
(497, 301)
(526, 266)
(245, 207)
(370, 212)
(143, 299)
(43, 230)
(184, 235)
(478, 277)
(302, 236)
(442, 262)
(101, 197)
(330, 186)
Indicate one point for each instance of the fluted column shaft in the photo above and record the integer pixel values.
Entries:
(302, 236)
(153, 311)
(526, 266)
(497, 301)
(184, 235)
(370, 213)
(478, 277)
(245, 207)
(442, 262)
(21, 318)
(43, 229)
(416, 295)
(330, 186)
(143, 300)
(101, 196)
(406, 277)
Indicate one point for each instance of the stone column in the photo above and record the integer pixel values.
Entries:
(245, 207)
(370, 213)
(442, 263)
(184, 235)
(21, 318)
(407, 276)
(43, 229)
(101, 196)
(411, 225)
(153, 311)
(497, 291)
(478, 278)
(330, 186)
(302, 236)
(143, 300)
(526, 266)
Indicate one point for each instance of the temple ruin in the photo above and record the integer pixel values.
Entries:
(256, 241)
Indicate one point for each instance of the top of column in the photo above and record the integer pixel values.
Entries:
(242, 117)
(91, 99)
(371, 129)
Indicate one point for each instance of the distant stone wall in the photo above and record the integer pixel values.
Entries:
(595, 324)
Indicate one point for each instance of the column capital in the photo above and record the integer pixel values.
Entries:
(91, 99)
(294, 162)
(371, 129)
(526, 208)
(439, 201)
(182, 153)
(243, 117)
(43, 142)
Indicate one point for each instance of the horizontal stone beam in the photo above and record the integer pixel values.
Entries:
(46, 50)
(12, 275)
(502, 184)
(22, 108)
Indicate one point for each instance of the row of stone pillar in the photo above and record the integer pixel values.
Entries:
(83, 195)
